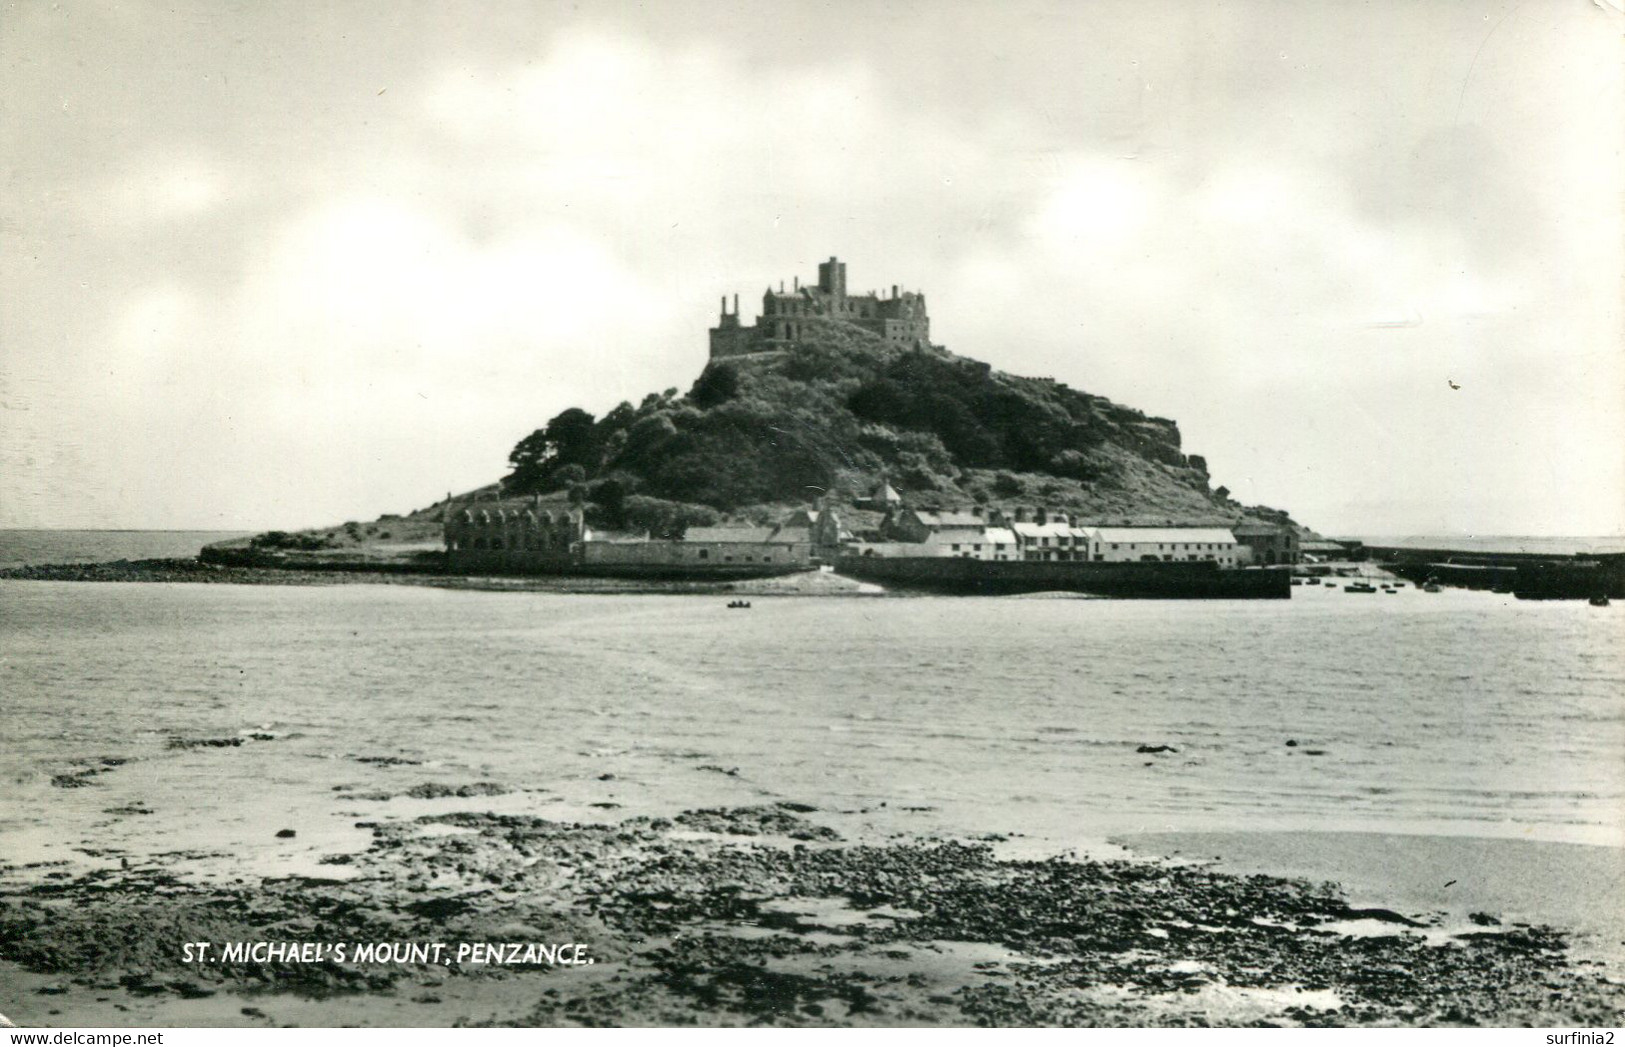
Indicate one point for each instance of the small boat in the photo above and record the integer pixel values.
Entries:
(1391, 592)
(1359, 587)
(1314, 581)
(1297, 581)
(1599, 601)
(739, 605)
(1432, 587)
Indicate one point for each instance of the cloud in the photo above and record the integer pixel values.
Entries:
(1257, 220)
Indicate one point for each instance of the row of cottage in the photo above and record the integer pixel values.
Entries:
(521, 535)
(1048, 535)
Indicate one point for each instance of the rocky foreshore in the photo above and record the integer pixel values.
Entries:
(809, 583)
(759, 915)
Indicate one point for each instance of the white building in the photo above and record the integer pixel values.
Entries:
(1055, 539)
(974, 543)
(1133, 544)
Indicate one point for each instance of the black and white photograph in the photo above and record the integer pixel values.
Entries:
(822, 514)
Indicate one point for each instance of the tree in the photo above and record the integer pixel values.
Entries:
(717, 383)
(569, 439)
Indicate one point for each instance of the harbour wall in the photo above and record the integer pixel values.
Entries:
(1199, 580)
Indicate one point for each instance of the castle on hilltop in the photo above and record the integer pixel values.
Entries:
(787, 317)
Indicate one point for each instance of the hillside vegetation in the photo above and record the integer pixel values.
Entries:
(757, 433)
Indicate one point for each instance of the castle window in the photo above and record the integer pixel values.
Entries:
(705, 554)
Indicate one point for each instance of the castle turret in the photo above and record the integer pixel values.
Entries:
(832, 278)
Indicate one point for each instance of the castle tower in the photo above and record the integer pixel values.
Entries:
(832, 278)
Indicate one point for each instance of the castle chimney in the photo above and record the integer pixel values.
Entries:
(797, 285)
(1040, 516)
(1021, 514)
(724, 305)
(736, 304)
(894, 290)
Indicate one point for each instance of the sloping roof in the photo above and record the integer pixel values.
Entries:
(748, 535)
(963, 535)
(1164, 535)
(999, 536)
(1251, 529)
(616, 537)
(949, 518)
(1055, 529)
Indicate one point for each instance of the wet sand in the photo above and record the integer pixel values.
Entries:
(764, 914)
(1579, 887)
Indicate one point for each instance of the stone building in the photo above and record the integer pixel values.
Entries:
(515, 534)
(1268, 543)
(917, 525)
(789, 316)
(701, 548)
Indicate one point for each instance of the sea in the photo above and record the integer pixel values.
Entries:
(1390, 742)
(1539, 545)
(19, 548)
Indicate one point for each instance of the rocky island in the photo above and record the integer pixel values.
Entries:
(807, 438)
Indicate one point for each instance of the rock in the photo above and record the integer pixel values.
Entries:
(285, 834)
(434, 790)
(1291, 743)
(203, 743)
(1156, 749)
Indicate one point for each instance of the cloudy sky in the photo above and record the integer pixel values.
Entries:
(277, 265)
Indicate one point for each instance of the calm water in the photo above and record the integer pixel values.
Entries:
(1476, 543)
(1461, 714)
(21, 547)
